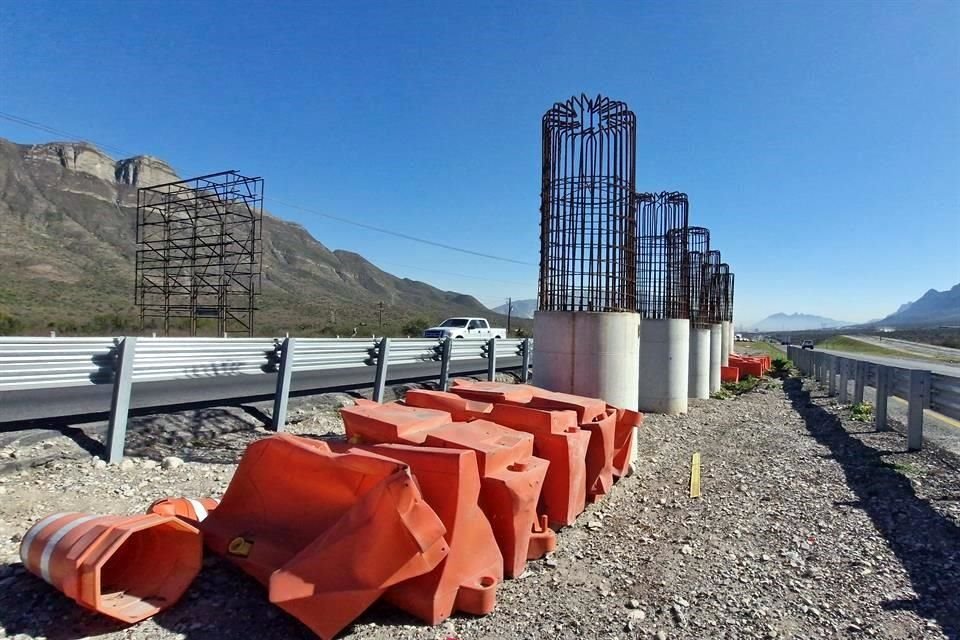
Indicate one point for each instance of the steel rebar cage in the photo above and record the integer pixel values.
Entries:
(660, 293)
(587, 219)
(686, 252)
(710, 307)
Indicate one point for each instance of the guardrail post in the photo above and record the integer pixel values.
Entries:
(919, 391)
(120, 402)
(831, 375)
(844, 380)
(492, 359)
(525, 374)
(380, 382)
(859, 381)
(284, 374)
(446, 349)
(883, 391)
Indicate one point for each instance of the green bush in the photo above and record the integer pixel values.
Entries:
(415, 328)
(9, 325)
(862, 412)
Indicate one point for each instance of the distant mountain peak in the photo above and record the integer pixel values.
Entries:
(932, 308)
(796, 322)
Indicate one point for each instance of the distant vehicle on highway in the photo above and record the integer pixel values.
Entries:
(807, 344)
(465, 328)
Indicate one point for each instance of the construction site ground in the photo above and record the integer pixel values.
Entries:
(810, 525)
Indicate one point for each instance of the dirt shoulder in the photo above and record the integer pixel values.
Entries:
(809, 526)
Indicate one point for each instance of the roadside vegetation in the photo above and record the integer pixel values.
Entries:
(862, 412)
(731, 389)
(765, 348)
(843, 343)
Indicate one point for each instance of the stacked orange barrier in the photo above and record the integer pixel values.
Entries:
(729, 374)
(750, 365)
(612, 430)
(467, 579)
(327, 532)
(126, 567)
(511, 477)
(556, 438)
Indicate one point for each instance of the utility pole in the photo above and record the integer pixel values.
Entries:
(509, 314)
(380, 311)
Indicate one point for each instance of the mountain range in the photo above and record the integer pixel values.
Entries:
(933, 308)
(67, 248)
(795, 322)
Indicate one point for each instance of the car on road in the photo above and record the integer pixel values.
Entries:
(807, 344)
(464, 328)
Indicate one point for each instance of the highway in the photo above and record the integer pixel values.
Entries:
(905, 362)
(93, 401)
(912, 348)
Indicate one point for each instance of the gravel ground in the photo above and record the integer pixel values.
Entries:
(810, 526)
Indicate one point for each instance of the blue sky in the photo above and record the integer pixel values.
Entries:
(818, 141)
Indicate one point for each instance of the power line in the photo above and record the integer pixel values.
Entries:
(363, 225)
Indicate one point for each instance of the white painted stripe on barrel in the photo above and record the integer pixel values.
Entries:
(34, 531)
(52, 543)
(198, 509)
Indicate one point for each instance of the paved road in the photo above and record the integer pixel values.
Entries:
(905, 362)
(912, 348)
(93, 401)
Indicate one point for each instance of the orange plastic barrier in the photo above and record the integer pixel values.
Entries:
(556, 438)
(126, 567)
(511, 478)
(392, 422)
(460, 409)
(328, 532)
(729, 374)
(749, 365)
(190, 510)
(593, 416)
(625, 433)
(467, 579)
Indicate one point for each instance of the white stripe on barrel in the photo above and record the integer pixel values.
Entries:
(34, 531)
(52, 543)
(198, 509)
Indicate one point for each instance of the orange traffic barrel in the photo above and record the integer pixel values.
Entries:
(190, 510)
(126, 567)
(467, 579)
(460, 409)
(368, 421)
(327, 532)
(558, 440)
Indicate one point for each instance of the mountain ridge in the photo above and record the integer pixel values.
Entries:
(67, 243)
(933, 307)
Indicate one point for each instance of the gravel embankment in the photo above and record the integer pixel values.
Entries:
(809, 527)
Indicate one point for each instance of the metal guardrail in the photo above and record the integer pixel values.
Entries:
(920, 388)
(53, 363)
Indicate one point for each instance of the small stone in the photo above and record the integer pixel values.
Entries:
(551, 562)
(661, 635)
(150, 464)
(594, 524)
(634, 604)
(171, 462)
(126, 464)
(686, 550)
(100, 464)
(639, 615)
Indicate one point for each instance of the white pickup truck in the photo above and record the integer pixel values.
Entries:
(464, 328)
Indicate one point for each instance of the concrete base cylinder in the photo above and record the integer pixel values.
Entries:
(715, 357)
(588, 354)
(664, 365)
(699, 367)
(725, 343)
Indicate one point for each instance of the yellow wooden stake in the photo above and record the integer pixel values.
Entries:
(695, 476)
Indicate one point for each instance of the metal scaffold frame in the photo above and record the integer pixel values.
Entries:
(198, 252)
(587, 220)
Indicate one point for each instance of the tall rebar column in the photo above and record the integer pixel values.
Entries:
(587, 224)
(686, 251)
(710, 314)
(659, 288)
